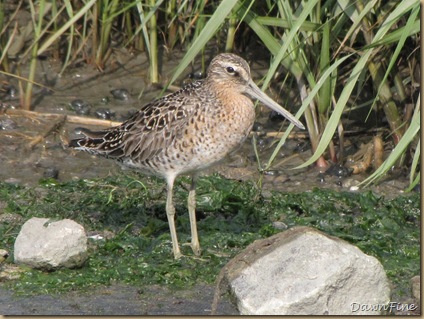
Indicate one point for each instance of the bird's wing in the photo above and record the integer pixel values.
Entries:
(149, 131)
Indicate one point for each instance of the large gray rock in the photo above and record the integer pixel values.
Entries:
(46, 244)
(303, 271)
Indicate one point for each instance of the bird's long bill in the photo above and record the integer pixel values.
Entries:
(254, 91)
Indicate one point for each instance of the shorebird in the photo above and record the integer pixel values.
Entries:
(187, 131)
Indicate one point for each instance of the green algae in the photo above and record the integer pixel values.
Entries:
(231, 215)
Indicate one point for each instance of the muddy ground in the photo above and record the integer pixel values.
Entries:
(118, 300)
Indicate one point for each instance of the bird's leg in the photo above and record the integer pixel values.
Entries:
(170, 214)
(191, 202)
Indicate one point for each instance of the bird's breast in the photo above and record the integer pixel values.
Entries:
(214, 132)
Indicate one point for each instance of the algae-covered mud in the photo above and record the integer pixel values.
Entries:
(130, 243)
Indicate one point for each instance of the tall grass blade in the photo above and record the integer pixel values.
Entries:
(305, 104)
(403, 37)
(65, 27)
(220, 14)
(70, 12)
(400, 148)
(353, 78)
(154, 67)
(33, 59)
(288, 41)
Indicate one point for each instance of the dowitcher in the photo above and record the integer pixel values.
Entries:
(186, 131)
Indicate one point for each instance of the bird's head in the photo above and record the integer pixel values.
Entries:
(232, 72)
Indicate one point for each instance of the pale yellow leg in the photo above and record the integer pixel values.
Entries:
(191, 202)
(170, 213)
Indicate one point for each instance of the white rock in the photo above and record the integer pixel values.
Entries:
(46, 244)
(303, 271)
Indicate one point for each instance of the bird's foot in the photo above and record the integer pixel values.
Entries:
(195, 248)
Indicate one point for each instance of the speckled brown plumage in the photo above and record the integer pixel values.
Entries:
(186, 131)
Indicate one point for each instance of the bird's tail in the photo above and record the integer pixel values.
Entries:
(97, 143)
(91, 139)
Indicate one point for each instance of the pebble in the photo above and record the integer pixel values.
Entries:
(338, 170)
(3, 255)
(81, 131)
(8, 124)
(321, 178)
(196, 75)
(275, 116)
(279, 225)
(257, 127)
(11, 91)
(51, 172)
(120, 94)
(262, 143)
(104, 114)
(350, 183)
(105, 100)
(271, 172)
(80, 107)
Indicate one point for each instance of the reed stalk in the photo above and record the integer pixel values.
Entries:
(33, 57)
(108, 12)
(153, 36)
(384, 92)
(231, 33)
(4, 44)
(172, 21)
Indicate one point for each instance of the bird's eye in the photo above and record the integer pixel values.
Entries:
(231, 70)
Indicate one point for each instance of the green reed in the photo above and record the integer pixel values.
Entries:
(332, 50)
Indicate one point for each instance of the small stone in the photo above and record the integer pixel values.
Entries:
(8, 124)
(104, 114)
(51, 172)
(12, 91)
(49, 245)
(262, 143)
(339, 171)
(417, 188)
(120, 94)
(3, 255)
(257, 127)
(275, 117)
(80, 107)
(104, 100)
(321, 178)
(350, 182)
(279, 225)
(196, 75)
(271, 172)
